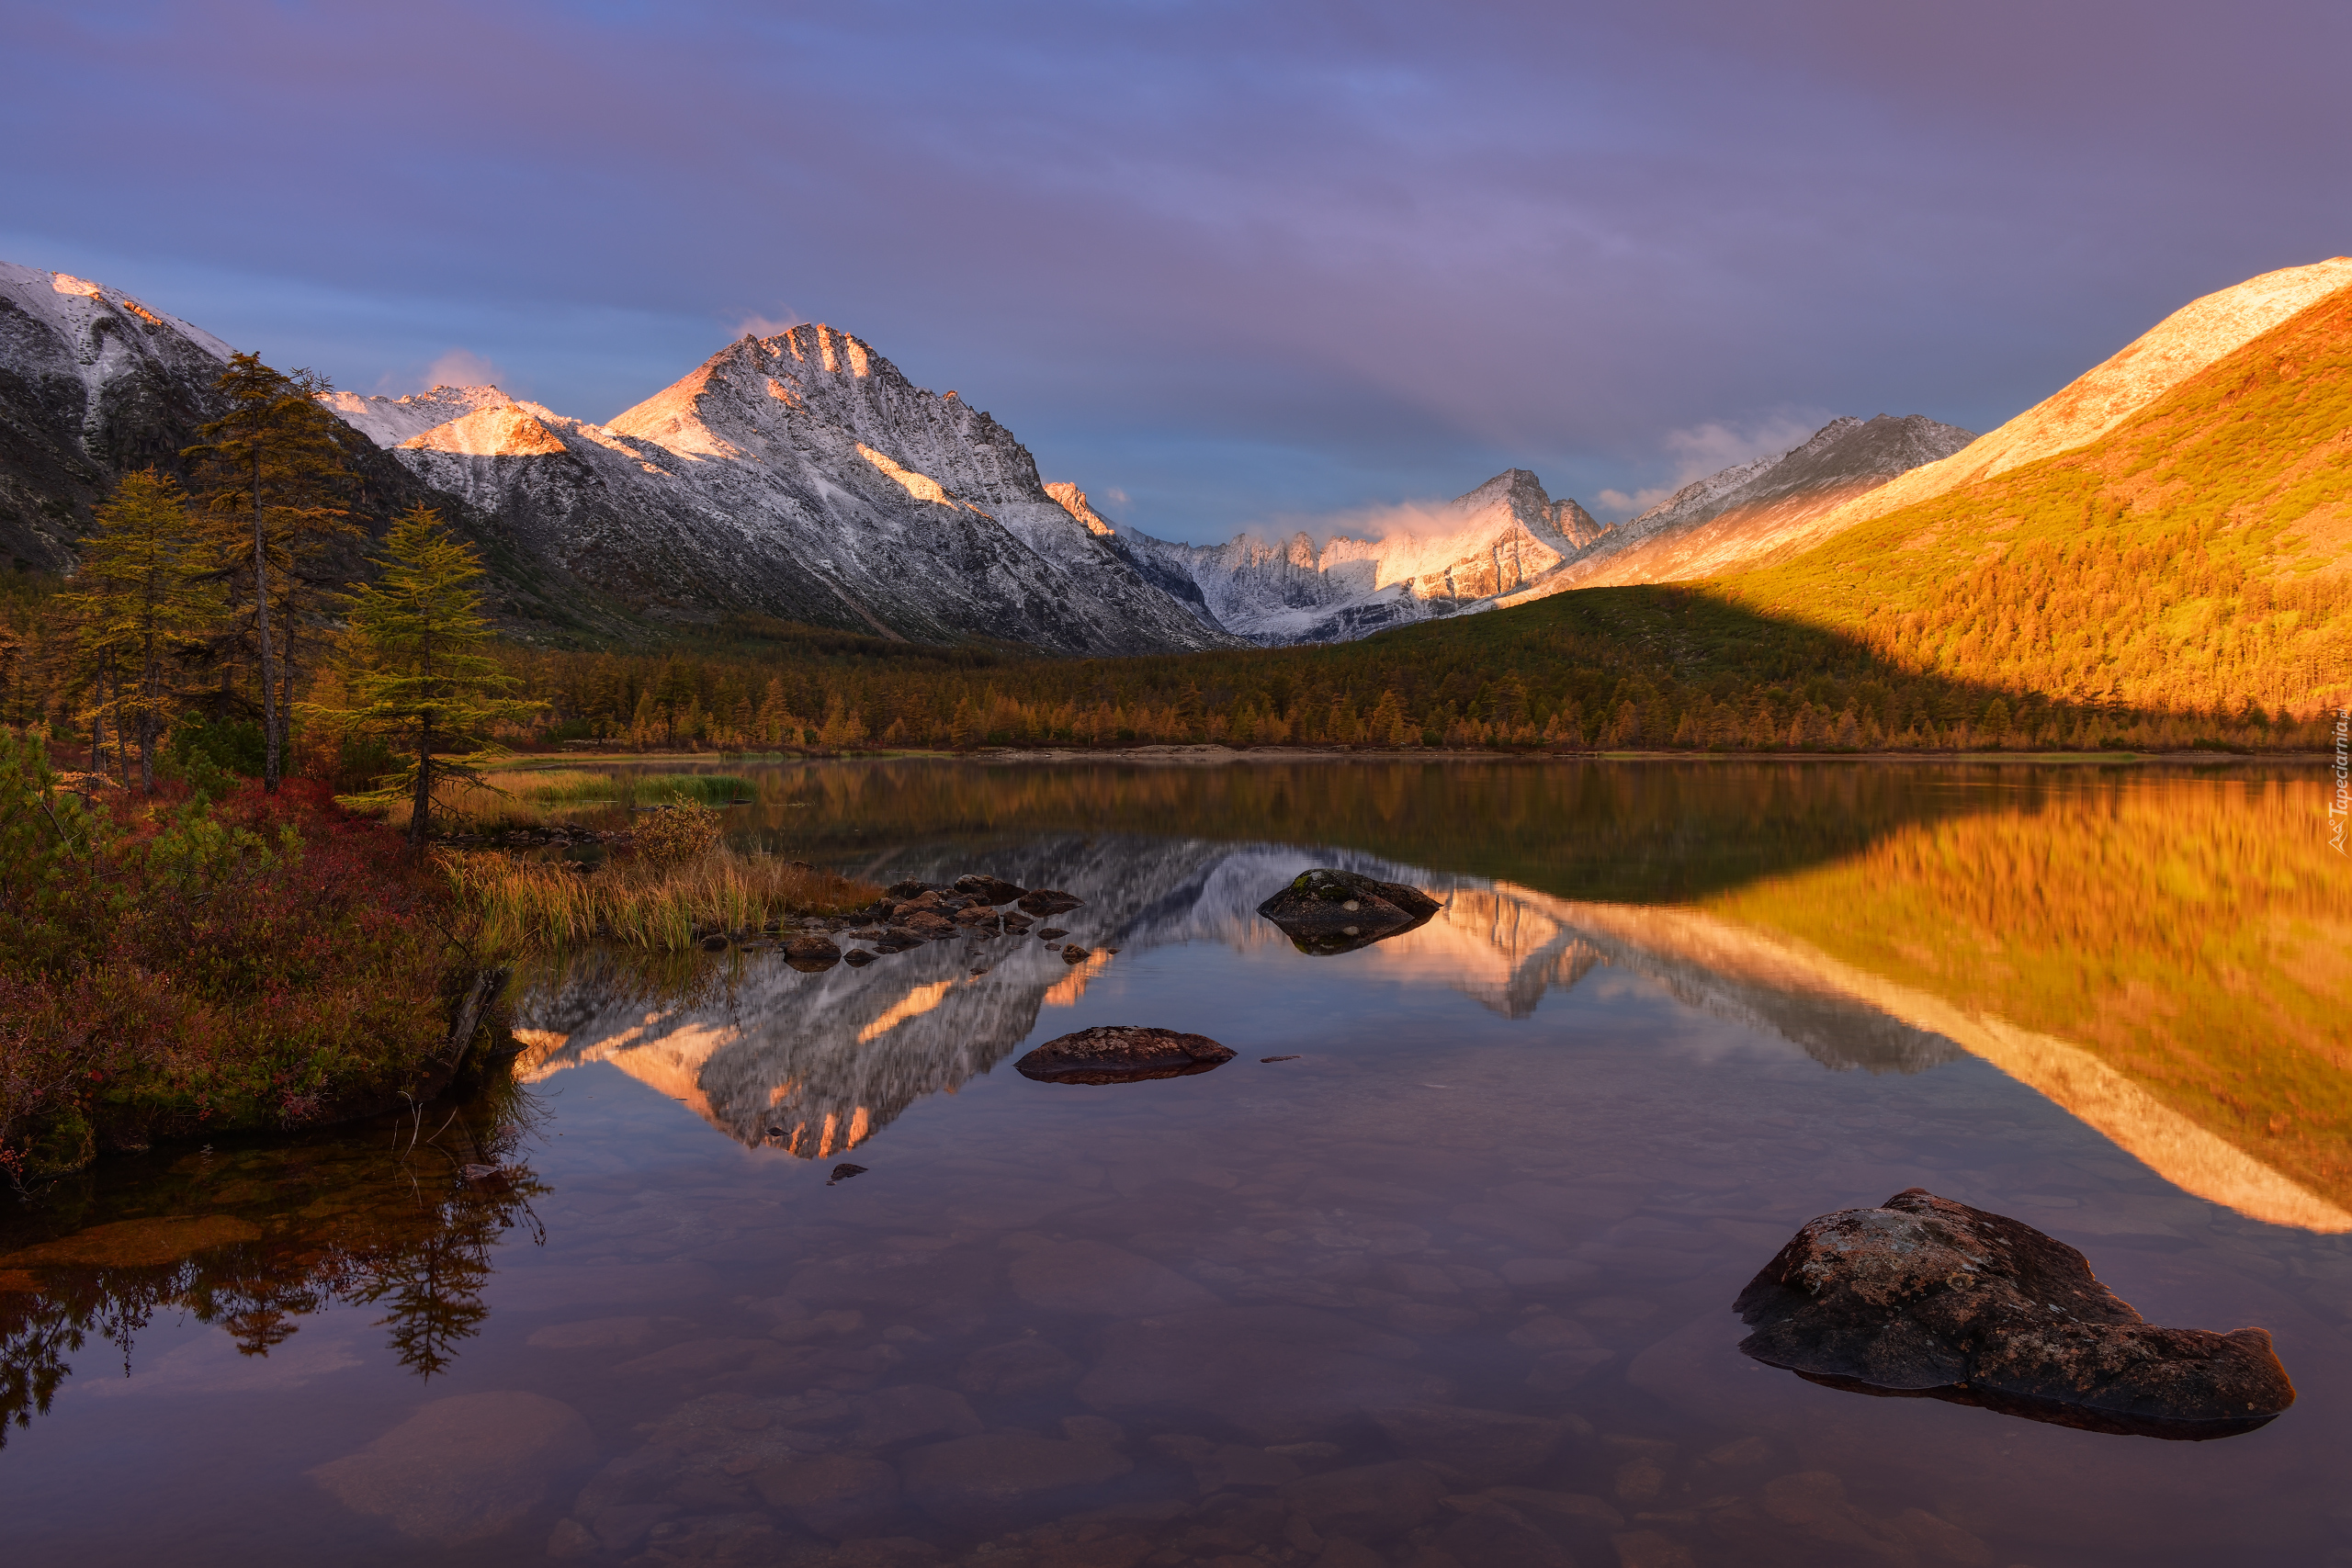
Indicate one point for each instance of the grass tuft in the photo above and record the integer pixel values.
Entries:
(532, 904)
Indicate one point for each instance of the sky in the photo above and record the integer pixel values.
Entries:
(1225, 266)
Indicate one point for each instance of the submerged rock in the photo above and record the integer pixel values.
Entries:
(1119, 1052)
(462, 1469)
(1926, 1297)
(1325, 911)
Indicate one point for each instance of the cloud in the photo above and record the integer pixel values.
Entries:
(1700, 450)
(757, 325)
(1117, 496)
(463, 368)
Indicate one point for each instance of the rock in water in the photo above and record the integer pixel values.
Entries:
(1044, 901)
(1120, 1052)
(1927, 1298)
(810, 953)
(988, 889)
(1326, 911)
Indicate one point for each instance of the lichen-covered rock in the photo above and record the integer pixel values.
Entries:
(1120, 1052)
(1929, 1298)
(1325, 911)
(988, 889)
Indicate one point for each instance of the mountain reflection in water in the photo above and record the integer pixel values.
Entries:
(2160, 954)
(253, 1239)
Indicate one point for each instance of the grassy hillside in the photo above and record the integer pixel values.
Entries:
(2195, 558)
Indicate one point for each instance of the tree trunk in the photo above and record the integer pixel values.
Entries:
(99, 724)
(268, 657)
(151, 698)
(420, 814)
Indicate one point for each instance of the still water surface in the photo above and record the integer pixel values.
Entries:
(1448, 1286)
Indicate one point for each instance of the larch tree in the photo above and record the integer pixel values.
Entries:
(140, 607)
(417, 675)
(269, 468)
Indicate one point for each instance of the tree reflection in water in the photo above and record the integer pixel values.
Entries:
(254, 1240)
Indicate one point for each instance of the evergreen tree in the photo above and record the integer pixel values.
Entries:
(419, 678)
(268, 468)
(140, 604)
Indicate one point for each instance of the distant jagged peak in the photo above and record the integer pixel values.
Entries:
(504, 429)
(1520, 494)
(1073, 501)
(392, 422)
(1846, 452)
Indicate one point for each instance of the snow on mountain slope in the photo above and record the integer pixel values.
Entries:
(1503, 537)
(92, 384)
(1762, 509)
(2196, 336)
(804, 477)
(388, 422)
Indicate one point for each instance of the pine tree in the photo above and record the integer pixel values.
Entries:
(268, 466)
(139, 605)
(418, 677)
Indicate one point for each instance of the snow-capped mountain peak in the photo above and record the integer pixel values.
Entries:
(388, 422)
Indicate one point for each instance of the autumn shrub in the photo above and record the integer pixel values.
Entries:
(187, 964)
(676, 834)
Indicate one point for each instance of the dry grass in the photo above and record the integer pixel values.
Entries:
(530, 904)
(536, 797)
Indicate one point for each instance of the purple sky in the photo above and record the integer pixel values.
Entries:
(1220, 263)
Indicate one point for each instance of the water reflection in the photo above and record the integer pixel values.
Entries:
(2162, 956)
(819, 1062)
(253, 1239)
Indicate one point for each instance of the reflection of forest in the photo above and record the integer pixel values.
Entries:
(2195, 937)
(1638, 833)
(253, 1239)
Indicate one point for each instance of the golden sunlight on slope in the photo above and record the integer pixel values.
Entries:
(922, 487)
(2175, 349)
(505, 430)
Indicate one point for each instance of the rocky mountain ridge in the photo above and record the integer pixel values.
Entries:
(804, 477)
(1763, 508)
(93, 384)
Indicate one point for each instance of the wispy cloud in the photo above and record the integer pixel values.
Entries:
(757, 325)
(1698, 450)
(464, 367)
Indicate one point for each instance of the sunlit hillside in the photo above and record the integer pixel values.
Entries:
(2196, 557)
(2196, 938)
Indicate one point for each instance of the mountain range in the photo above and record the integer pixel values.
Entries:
(802, 477)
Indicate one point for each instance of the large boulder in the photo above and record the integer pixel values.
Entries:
(1121, 1053)
(1929, 1298)
(1325, 911)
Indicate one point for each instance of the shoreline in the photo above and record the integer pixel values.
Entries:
(1214, 754)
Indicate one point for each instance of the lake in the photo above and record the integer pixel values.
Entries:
(756, 1265)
